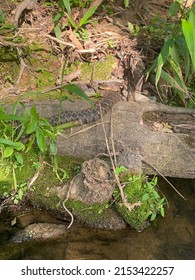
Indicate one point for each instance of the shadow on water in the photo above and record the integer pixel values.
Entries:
(172, 237)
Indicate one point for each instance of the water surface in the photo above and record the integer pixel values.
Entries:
(172, 237)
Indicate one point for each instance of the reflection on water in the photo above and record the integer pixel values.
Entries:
(172, 237)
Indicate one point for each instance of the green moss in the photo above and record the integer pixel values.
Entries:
(5, 178)
(101, 70)
(93, 214)
(141, 201)
(9, 66)
(43, 191)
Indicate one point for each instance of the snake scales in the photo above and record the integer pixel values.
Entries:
(87, 115)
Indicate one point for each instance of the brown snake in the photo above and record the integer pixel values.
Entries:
(87, 115)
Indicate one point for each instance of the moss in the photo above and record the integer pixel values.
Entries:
(5, 178)
(101, 70)
(9, 66)
(93, 214)
(43, 192)
(141, 201)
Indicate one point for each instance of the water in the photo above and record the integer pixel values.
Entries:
(172, 237)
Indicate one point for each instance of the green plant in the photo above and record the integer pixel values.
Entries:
(18, 135)
(13, 142)
(126, 3)
(175, 63)
(134, 29)
(65, 10)
(141, 199)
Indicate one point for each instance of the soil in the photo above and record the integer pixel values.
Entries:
(47, 57)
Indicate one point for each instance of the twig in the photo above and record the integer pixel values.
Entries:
(37, 174)
(112, 162)
(22, 65)
(112, 140)
(66, 199)
(145, 161)
(78, 132)
(26, 4)
(60, 41)
(11, 44)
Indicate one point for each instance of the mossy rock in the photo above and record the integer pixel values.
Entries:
(96, 215)
(141, 201)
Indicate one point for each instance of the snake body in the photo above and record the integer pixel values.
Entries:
(87, 115)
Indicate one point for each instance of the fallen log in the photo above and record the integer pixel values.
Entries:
(147, 136)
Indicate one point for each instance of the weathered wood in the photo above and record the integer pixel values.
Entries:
(144, 137)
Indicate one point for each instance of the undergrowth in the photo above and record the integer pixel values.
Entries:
(141, 200)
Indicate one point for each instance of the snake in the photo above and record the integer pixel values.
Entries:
(87, 115)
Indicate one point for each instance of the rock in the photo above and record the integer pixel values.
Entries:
(95, 183)
(39, 232)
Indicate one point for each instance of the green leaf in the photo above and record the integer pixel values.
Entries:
(145, 197)
(120, 169)
(19, 158)
(74, 25)
(20, 194)
(19, 131)
(182, 47)
(16, 105)
(10, 117)
(58, 32)
(153, 216)
(162, 211)
(154, 180)
(174, 82)
(192, 17)
(189, 34)
(156, 195)
(174, 9)
(65, 174)
(67, 5)
(16, 145)
(2, 17)
(162, 58)
(16, 201)
(75, 89)
(126, 3)
(44, 123)
(34, 113)
(5, 27)
(30, 144)
(7, 152)
(57, 17)
(130, 27)
(41, 141)
(87, 16)
(31, 127)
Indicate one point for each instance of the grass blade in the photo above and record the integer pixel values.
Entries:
(78, 91)
(67, 5)
(74, 25)
(162, 58)
(189, 34)
(88, 14)
(185, 57)
(174, 82)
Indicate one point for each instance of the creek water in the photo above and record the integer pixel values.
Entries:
(171, 237)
